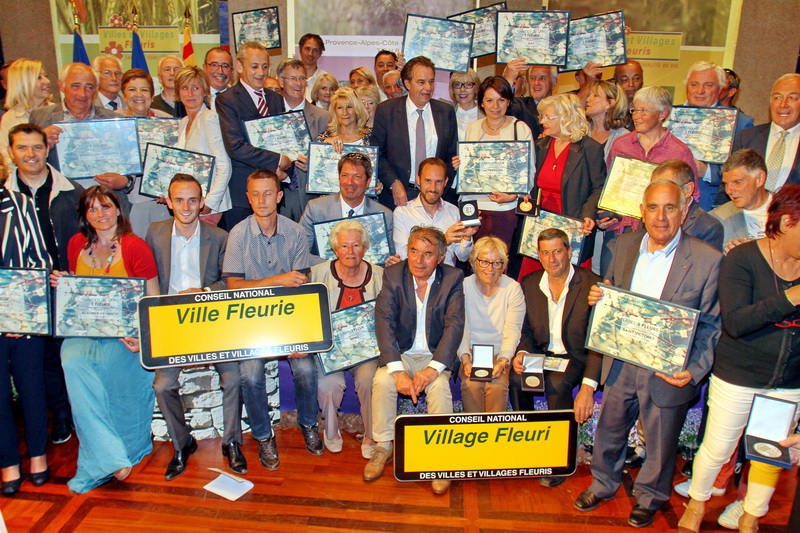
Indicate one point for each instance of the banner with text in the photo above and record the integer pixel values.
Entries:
(485, 445)
(213, 327)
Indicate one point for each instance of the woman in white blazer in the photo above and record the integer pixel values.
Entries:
(199, 131)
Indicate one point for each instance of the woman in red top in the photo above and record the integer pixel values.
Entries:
(110, 393)
(570, 170)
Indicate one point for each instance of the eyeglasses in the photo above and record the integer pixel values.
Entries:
(497, 265)
(223, 66)
(295, 78)
(110, 73)
(642, 111)
(465, 84)
(542, 118)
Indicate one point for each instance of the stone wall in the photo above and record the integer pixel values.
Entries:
(202, 401)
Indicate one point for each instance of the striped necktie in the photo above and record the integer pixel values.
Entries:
(420, 153)
(263, 110)
(775, 161)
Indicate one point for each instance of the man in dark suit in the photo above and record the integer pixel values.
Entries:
(292, 79)
(355, 176)
(784, 106)
(189, 254)
(247, 101)
(420, 290)
(667, 264)
(401, 122)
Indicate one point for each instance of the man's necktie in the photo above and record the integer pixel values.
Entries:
(419, 151)
(262, 104)
(775, 161)
(351, 213)
(294, 181)
(113, 105)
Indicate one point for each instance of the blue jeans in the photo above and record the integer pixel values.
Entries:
(304, 374)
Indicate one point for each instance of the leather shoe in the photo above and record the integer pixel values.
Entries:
(440, 486)
(633, 459)
(588, 501)
(311, 436)
(62, 431)
(552, 481)
(10, 488)
(641, 516)
(177, 465)
(236, 461)
(374, 468)
(268, 453)
(40, 478)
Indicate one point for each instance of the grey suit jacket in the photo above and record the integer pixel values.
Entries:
(703, 226)
(212, 253)
(329, 207)
(396, 314)
(691, 282)
(756, 138)
(732, 219)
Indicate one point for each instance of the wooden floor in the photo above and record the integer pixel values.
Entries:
(326, 493)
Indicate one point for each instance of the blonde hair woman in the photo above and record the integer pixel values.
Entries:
(607, 113)
(348, 122)
(28, 88)
(464, 94)
(323, 89)
(370, 98)
(361, 76)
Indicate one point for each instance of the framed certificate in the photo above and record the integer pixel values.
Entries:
(162, 131)
(599, 39)
(354, 340)
(89, 306)
(25, 301)
(448, 43)
(258, 25)
(484, 39)
(541, 37)
(380, 242)
(161, 163)
(627, 179)
(502, 166)
(285, 134)
(323, 167)
(533, 226)
(87, 148)
(708, 131)
(641, 330)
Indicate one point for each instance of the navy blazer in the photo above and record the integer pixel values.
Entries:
(756, 138)
(234, 107)
(574, 322)
(691, 282)
(390, 135)
(396, 315)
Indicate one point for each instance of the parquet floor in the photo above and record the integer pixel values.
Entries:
(326, 493)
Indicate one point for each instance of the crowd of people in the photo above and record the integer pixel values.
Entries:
(721, 239)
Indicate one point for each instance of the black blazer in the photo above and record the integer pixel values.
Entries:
(575, 321)
(756, 138)
(396, 315)
(390, 135)
(235, 106)
(581, 184)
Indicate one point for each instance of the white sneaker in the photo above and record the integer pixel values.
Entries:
(682, 488)
(333, 445)
(730, 516)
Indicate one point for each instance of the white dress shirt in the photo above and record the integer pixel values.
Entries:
(254, 94)
(652, 268)
(792, 142)
(103, 100)
(357, 210)
(299, 107)
(184, 261)
(555, 312)
(414, 214)
(431, 138)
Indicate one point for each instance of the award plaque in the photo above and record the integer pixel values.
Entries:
(380, 242)
(533, 372)
(469, 213)
(641, 330)
(161, 163)
(163, 131)
(707, 131)
(486, 167)
(24, 301)
(771, 420)
(448, 43)
(533, 226)
(88, 306)
(484, 40)
(258, 25)
(482, 362)
(599, 39)
(539, 37)
(87, 148)
(624, 187)
(323, 167)
(354, 340)
(285, 134)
